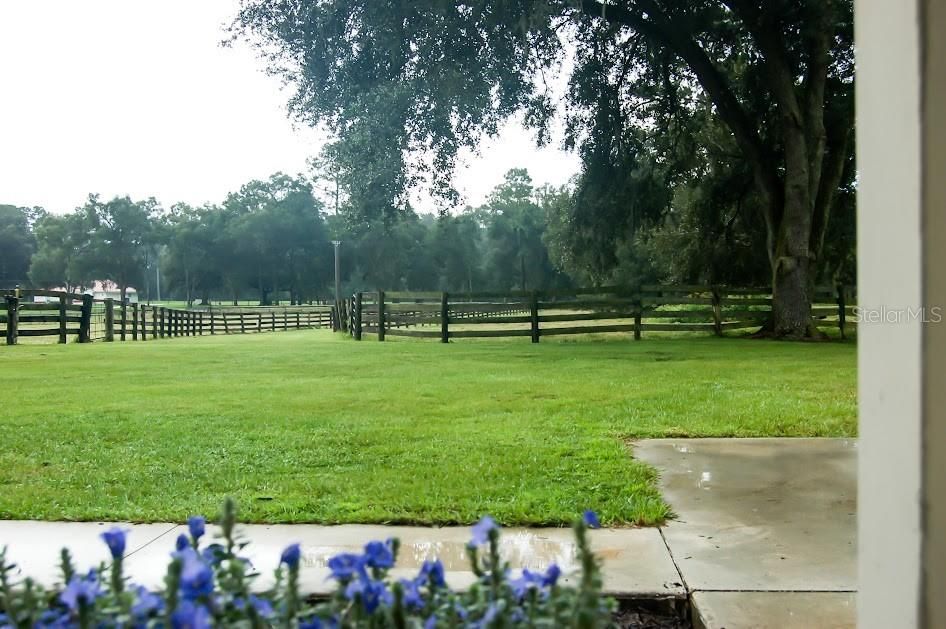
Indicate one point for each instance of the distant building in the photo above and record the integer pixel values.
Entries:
(101, 289)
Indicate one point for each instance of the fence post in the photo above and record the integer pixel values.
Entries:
(62, 318)
(444, 318)
(534, 315)
(717, 312)
(154, 322)
(13, 318)
(638, 312)
(357, 320)
(842, 310)
(163, 322)
(242, 324)
(200, 323)
(110, 320)
(134, 322)
(143, 330)
(381, 323)
(212, 326)
(86, 320)
(121, 334)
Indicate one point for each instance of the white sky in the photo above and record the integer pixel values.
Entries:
(131, 97)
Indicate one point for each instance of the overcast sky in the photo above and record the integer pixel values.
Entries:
(138, 98)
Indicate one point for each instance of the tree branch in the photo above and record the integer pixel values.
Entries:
(657, 27)
(814, 87)
(835, 163)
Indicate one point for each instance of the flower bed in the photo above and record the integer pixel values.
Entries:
(210, 584)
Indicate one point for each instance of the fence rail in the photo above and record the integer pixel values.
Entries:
(90, 320)
(599, 310)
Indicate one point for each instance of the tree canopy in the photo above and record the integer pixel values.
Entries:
(662, 96)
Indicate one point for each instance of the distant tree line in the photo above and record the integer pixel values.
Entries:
(271, 241)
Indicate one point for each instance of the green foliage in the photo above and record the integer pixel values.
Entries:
(120, 234)
(277, 239)
(314, 427)
(393, 79)
(515, 224)
(17, 244)
(744, 109)
(64, 255)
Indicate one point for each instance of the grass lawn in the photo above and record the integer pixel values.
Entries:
(314, 427)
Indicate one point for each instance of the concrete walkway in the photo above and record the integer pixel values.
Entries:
(764, 537)
(635, 561)
(765, 528)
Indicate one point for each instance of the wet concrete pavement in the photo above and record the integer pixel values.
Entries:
(634, 560)
(765, 532)
(764, 537)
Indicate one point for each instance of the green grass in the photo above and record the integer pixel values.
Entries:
(314, 427)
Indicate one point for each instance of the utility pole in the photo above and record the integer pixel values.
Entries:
(338, 274)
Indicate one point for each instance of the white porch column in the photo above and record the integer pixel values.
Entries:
(901, 144)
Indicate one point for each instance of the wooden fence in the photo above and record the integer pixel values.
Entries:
(67, 314)
(534, 314)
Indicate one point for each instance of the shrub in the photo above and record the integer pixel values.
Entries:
(211, 585)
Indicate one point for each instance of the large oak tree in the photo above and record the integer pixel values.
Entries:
(404, 85)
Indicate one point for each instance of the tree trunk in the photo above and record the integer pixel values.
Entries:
(791, 262)
(791, 297)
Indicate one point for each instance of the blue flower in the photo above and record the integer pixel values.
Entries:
(49, 619)
(433, 572)
(263, 607)
(346, 565)
(318, 623)
(213, 554)
(81, 590)
(186, 554)
(591, 519)
(197, 526)
(190, 616)
(460, 611)
(412, 595)
(551, 575)
(482, 529)
(197, 579)
(431, 622)
(146, 603)
(372, 593)
(379, 555)
(290, 556)
(526, 581)
(182, 542)
(115, 540)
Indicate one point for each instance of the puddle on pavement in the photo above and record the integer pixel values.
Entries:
(522, 549)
